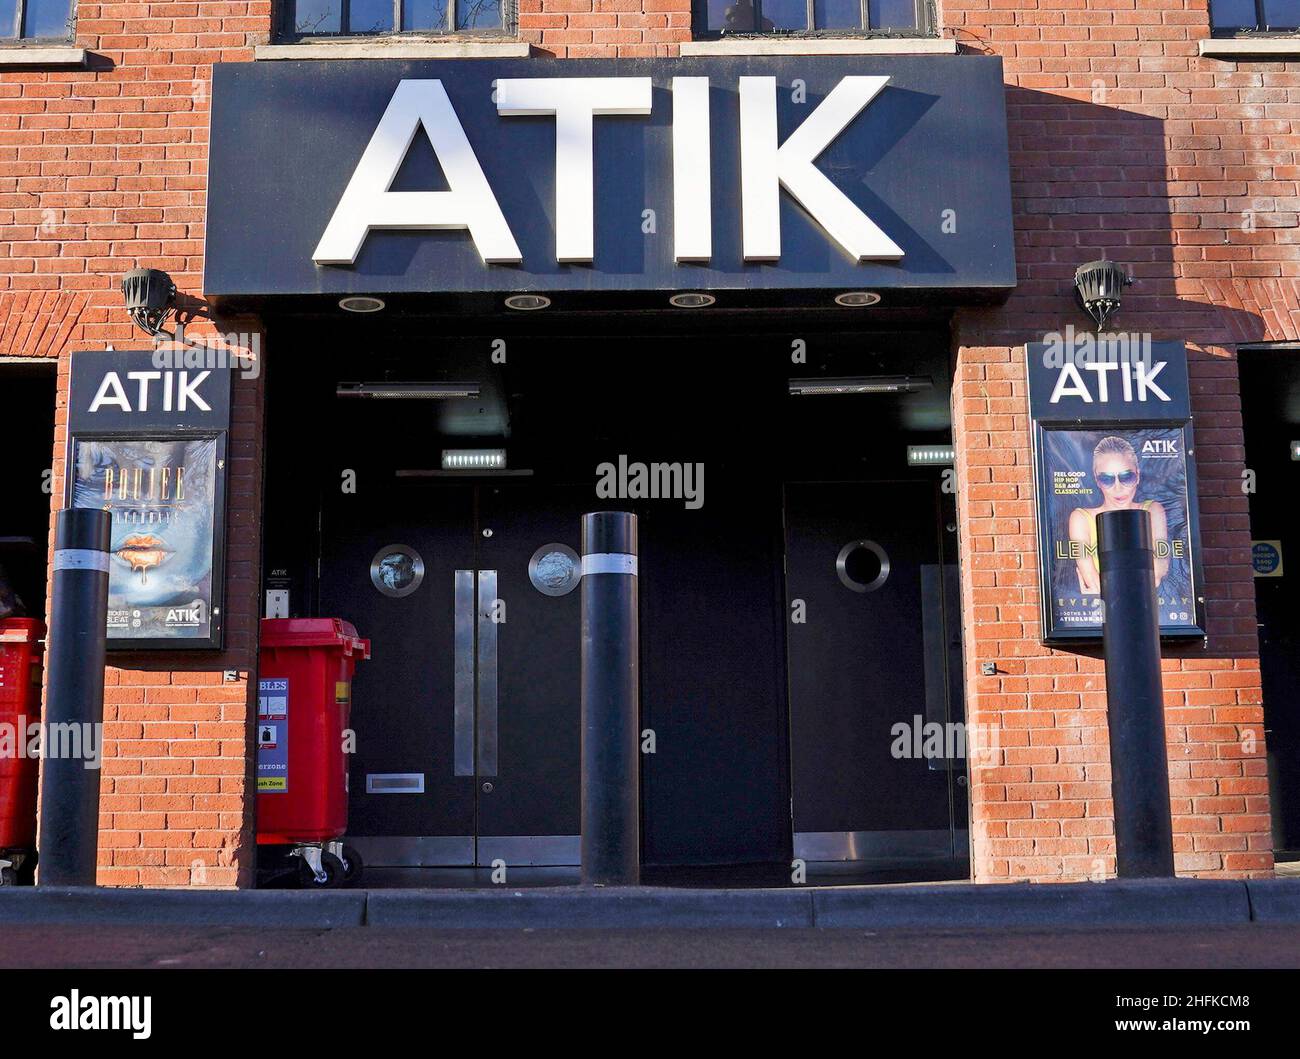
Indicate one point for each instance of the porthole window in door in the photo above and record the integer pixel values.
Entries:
(862, 566)
(555, 569)
(396, 570)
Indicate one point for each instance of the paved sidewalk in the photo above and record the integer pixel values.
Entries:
(1112, 904)
(1247, 945)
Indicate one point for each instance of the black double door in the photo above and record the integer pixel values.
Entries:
(466, 717)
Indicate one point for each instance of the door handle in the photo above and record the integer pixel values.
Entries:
(487, 673)
(463, 688)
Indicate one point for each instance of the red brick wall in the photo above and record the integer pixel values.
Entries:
(104, 169)
(1125, 142)
(597, 29)
(101, 170)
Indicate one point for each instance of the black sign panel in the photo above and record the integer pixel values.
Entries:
(925, 159)
(147, 390)
(1112, 430)
(1085, 378)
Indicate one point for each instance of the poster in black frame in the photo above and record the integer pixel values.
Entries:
(167, 493)
(1070, 496)
(1112, 427)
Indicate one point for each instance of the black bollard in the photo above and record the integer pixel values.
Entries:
(611, 700)
(1144, 840)
(69, 833)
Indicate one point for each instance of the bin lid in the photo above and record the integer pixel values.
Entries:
(313, 632)
(21, 630)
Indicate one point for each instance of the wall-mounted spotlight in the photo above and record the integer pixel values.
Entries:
(150, 296)
(1097, 289)
(407, 391)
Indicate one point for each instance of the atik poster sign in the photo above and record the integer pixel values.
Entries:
(1112, 430)
(147, 437)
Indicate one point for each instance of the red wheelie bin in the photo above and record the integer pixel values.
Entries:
(304, 696)
(21, 643)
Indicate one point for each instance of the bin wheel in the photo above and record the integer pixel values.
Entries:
(8, 877)
(353, 865)
(330, 866)
(27, 873)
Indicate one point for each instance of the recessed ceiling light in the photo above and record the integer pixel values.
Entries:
(692, 300)
(527, 302)
(857, 298)
(361, 303)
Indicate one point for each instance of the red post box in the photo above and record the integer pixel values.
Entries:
(304, 696)
(20, 711)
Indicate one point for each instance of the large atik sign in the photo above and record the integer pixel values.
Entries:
(767, 166)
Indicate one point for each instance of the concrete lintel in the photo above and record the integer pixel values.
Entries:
(396, 49)
(12, 55)
(1235, 48)
(821, 46)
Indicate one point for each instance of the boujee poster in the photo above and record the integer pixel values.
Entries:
(163, 495)
(1083, 473)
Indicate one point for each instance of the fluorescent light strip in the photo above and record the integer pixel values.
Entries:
(930, 455)
(861, 384)
(473, 459)
(408, 391)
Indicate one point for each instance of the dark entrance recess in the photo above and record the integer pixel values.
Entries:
(731, 692)
(1270, 405)
(27, 392)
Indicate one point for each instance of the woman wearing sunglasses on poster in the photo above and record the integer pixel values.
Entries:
(1115, 469)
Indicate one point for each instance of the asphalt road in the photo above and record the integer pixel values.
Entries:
(1243, 946)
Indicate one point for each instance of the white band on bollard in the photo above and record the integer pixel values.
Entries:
(81, 559)
(609, 563)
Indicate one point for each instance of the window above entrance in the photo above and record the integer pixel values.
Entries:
(367, 18)
(1234, 17)
(790, 17)
(36, 20)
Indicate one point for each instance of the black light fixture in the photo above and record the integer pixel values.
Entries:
(150, 297)
(1097, 289)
